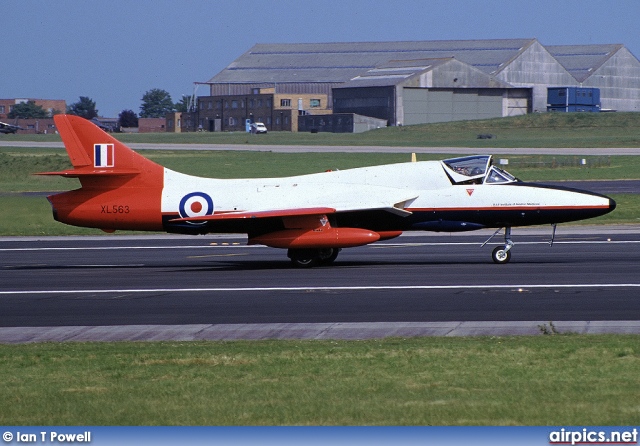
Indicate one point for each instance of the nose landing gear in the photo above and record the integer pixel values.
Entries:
(502, 254)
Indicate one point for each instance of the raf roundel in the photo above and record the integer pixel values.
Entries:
(196, 204)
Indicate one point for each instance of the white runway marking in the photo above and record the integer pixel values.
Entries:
(110, 248)
(515, 287)
(376, 245)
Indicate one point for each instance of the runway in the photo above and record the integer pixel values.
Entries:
(167, 287)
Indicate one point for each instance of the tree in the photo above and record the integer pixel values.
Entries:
(156, 103)
(28, 110)
(127, 118)
(183, 104)
(85, 107)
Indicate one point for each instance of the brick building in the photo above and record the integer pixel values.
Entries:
(34, 126)
(278, 111)
(151, 125)
(51, 106)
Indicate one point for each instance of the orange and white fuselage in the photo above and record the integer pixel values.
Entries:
(330, 210)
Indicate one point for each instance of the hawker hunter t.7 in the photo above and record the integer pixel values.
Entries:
(312, 216)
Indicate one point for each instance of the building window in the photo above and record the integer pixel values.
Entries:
(269, 103)
(234, 104)
(256, 91)
(314, 103)
(285, 102)
(209, 105)
(1, 108)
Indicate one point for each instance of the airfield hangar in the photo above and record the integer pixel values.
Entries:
(287, 86)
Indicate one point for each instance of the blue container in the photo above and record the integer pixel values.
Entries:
(568, 96)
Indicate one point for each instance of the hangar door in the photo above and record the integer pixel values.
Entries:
(422, 106)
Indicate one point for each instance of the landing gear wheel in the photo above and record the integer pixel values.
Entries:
(327, 256)
(501, 255)
(303, 258)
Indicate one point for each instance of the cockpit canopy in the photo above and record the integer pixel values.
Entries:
(478, 169)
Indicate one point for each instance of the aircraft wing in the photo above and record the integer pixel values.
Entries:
(356, 200)
(300, 228)
(306, 220)
(283, 213)
(233, 215)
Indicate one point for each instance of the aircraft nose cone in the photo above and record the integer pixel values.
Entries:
(612, 204)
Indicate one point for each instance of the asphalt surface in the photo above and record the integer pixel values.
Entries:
(217, 288)
(606, 187)
(363, 149)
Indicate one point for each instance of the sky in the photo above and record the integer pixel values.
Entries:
(114, 51)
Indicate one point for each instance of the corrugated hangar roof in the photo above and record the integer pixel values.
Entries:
(394, 72)
(397, 72)
(582, 60)
(340, 62)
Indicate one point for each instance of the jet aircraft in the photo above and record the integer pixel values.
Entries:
(312, 216)
(8, 128)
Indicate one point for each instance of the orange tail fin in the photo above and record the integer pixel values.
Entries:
(95, 153)
(120, 188)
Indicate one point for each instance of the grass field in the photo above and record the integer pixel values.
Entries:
(541, 380)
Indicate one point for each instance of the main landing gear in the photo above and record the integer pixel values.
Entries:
(306, 258)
